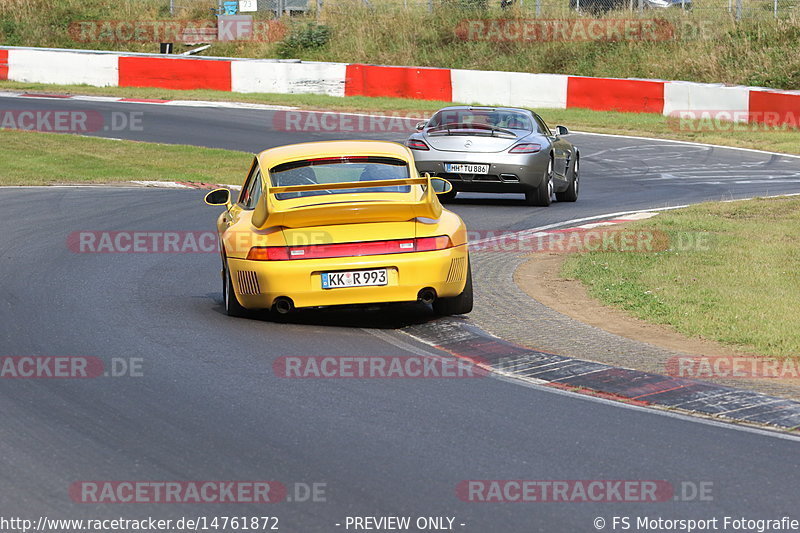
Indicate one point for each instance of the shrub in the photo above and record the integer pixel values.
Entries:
(301, 37)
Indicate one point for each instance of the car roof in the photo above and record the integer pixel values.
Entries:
(484, 108)
(296, 152)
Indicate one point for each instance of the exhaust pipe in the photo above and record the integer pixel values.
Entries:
(426, 295)
(284, 305)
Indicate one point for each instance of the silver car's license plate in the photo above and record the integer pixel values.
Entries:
(355, 278)
(466, 168)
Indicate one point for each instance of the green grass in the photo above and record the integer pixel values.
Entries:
(708, 45)
(638, 124)
(742, 289)
(32, 158)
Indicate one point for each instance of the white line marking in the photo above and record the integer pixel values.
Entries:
(703, 398)
(87, 98)
(596, 225)
(558, 380)
(689, 143)
(762, 404)
(638, 216)
(225, 105)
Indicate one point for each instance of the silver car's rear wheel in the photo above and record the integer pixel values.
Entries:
(571, 194)
(543, 194)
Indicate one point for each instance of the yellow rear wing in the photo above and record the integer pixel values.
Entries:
(271, 211)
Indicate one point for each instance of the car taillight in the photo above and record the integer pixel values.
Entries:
(426, 244)
(348, 249)
(526, 148)
(268, 253)
(416, 144)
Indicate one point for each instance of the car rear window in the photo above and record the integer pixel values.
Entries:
(496, 118)
(339, 170)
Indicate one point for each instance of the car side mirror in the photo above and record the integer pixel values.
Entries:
(441, 186)
(218, 197)
(562, 130)
(421, 125)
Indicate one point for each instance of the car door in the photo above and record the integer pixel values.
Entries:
(562, 149)
(237, 220)
(251, 192)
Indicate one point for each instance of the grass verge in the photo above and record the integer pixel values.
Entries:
(738, 285)
(32, 158)
(755, 136)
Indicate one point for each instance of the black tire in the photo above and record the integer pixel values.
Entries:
(571, 194)
(446, 197)
(232, 305)
(543, 194)
(456, 305)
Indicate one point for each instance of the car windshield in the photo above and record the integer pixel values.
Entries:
(493, 118)
(339, 170)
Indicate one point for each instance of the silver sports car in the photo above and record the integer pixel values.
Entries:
(497, 149)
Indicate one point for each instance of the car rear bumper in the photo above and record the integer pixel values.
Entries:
(517, 173)
(258, 284)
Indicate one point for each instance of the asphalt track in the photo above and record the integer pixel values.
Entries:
(208, 406)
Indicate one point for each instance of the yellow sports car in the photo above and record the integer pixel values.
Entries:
(337, 223)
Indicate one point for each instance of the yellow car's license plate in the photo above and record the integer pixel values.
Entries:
(354, 278)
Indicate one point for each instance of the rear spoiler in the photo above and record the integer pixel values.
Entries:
(269, 212)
